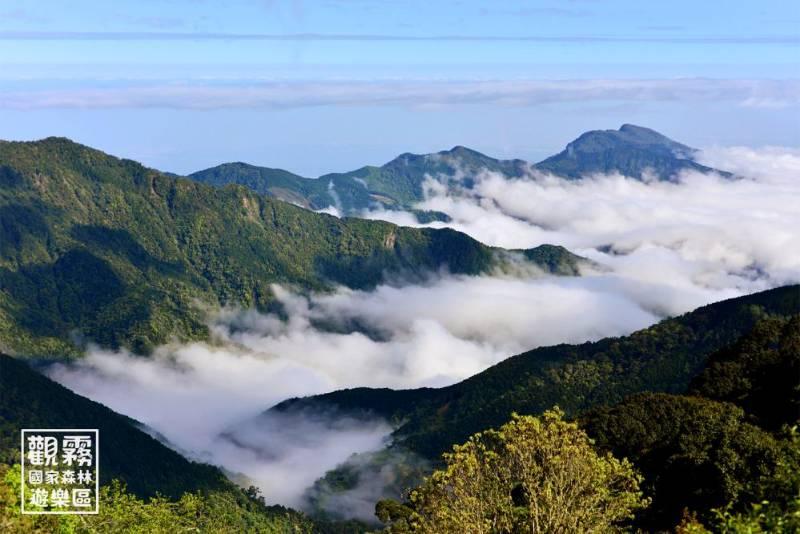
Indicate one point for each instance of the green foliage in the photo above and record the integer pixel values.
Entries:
(31, 400)
(694, 453)
(708, 456)
(552, 258)
(265, 181)
(123, 512)
(664, 357)
(779, 514)
(94, 248)
(760, 373)
(764, 517)
(530, 475)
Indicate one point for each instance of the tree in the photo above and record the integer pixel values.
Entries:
(694, 453)
(760, 373)
(779, 512)
(534, 474)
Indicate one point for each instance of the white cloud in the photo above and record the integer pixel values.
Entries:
(414, 93)
(163, 22)
(193, 394)
(662, 249)
(703, 232)
(431, 334)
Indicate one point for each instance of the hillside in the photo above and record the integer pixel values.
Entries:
(662, 358)
(701, 459)
(397, 184)
(96, 248)
(31, 400)
(632, 150)
(145, 467)
(281, 184)
(727, 441)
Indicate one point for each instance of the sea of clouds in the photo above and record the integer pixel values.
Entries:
(659, 249)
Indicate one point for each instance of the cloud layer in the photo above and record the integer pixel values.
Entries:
(704, 233)
(207, 399)
(660, 248)
(56, 35)
(295, 94)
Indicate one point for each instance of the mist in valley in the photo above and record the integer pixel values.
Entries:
(657, 249)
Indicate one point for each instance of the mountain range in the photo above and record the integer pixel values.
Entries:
(664, 357)
(130, 455)
(98, 249)
(104, 250)
(727, 373)
(633, 151)
(703, 405)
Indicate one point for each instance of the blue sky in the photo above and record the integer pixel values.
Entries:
(331, 85)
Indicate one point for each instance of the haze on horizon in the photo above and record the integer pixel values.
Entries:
(332, 86)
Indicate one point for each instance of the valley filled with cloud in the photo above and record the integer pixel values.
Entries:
(656, 249)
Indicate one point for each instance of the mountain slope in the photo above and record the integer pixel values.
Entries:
(95, 248)
(281, 184)
(664, 357)
(31, 400)
(397, 184)
(631, 151)
(726, 441)
(760, 373)
(145, 466)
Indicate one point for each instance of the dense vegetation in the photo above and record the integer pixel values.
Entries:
(123, 512)
(31, 400)
(695, 453)
(760, 373)
(662, 358)
(531, 475)
(715, 449)
(94, 248)
(160, 490)
(705, 462)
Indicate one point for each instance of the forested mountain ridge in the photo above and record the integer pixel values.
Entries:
(29, 399)
(662, 358)
(396, 184)
(201, 495)
(632, 151)
(721, 457)
(96, 248)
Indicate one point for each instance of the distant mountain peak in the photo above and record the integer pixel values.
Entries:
(632, 128)
(640, 134)
(632, 150)
(460, 150)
